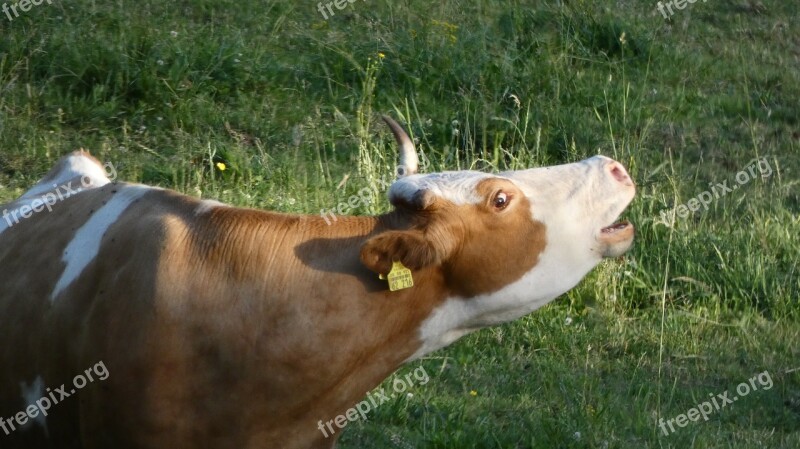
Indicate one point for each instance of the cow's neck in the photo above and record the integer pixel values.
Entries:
(340, 318)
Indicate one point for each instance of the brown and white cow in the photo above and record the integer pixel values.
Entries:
(224, 327)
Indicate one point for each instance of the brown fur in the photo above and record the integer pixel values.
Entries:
(234, 328)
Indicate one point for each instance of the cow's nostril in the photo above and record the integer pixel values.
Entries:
(619, 173)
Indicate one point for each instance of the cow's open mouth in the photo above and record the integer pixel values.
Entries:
(616, 227)
(616, 238)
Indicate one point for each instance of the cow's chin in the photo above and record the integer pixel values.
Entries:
(616, 239)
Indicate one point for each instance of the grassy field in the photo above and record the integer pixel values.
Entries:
(288, 102)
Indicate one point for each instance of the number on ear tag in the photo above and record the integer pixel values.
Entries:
(399, 277)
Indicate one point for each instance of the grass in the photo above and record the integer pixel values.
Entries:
(288, 102)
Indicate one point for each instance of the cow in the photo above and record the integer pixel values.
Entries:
(138, 317)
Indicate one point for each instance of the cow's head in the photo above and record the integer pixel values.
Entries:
(509, 242)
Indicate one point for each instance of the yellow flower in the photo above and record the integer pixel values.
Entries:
(446, 25)
(381, 55)
(221, 166)
(473, 393)
(447, 29)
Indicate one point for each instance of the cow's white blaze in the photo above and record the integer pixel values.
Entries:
(86, 243)
(30, 394)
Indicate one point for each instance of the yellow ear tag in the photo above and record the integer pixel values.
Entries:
(399, 277)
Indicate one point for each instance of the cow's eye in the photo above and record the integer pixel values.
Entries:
(501, 200)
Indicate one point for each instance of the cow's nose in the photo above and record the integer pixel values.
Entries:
(618, 172)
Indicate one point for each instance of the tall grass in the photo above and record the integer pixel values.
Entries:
(289, 104)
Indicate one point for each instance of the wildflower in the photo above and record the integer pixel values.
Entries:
(381, 55)
(473, 393)
(173, 33)
(448, 30)
(221, 166)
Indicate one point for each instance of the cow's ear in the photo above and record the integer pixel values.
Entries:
(412, 248)
(431, 243)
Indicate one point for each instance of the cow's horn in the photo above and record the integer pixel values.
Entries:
(409, 162)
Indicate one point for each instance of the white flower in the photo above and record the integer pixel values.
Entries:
(568, 321)
(173, 33)
(160, 62)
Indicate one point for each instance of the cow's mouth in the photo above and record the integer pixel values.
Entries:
(616, 238)
(616, 227)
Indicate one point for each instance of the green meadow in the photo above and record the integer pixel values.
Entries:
(268, 104)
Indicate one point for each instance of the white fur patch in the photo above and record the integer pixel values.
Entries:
(457, 316)
(458, 187)
(30, 394)
(88, 172)
(86, 243)
(73, 174)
